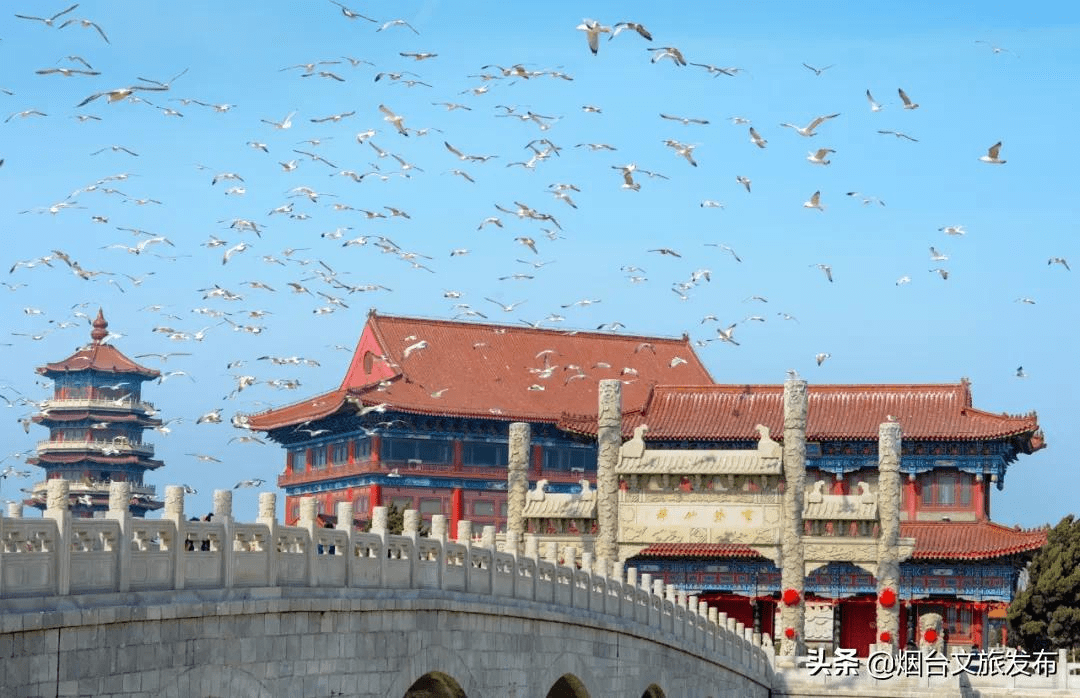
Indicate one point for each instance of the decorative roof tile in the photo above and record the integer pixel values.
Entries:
(980, 540)
(731, 412)
(492, 371)
(706, 550)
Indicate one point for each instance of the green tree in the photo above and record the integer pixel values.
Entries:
(1046, 615)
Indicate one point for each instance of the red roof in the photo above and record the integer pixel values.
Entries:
(493, 371)
(698, 550)
(730, 412)
(976, 540)
(99, 357)
(938, 540)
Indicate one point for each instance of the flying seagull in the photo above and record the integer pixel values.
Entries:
(593, 30)
(992, 155)
(809, 130)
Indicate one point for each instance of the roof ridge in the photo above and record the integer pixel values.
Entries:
(528, 329)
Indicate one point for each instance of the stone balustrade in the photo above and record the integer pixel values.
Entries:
(59, 555)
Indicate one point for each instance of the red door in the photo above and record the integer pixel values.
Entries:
(858, 625)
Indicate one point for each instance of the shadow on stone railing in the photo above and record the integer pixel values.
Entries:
(61, 555)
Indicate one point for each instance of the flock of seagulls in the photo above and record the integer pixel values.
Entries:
(319, 208)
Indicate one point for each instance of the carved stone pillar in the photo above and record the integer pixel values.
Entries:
(888, 574)
(267, 508)
(57, 508)
(517, 486)
(223, 505)
(14, 510)
(792, 571)
(609, 440)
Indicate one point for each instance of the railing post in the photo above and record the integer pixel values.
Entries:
(411, 530)
(56, 508)
(464, 537)
(268, 517)
(308, 509)
(344, 511)
(223, 513)
(120, 511)
(487, 541)
(379, 522)
(174, 511)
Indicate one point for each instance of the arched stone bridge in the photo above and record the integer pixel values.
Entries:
(134, 607)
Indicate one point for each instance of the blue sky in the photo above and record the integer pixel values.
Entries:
(1016, 216)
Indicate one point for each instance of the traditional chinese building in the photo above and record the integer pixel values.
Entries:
(953, 560)
(96, 419)
(421, 421)
(421, 418)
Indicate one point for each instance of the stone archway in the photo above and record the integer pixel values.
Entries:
(568, 686)
(435, 684)
(653, 691)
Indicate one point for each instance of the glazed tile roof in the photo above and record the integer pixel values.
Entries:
(938, 540)
(99, 357)
(698, 550)
(494, 371)
(730, 412)
(978, 540)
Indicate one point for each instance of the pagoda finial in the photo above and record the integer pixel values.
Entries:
(101, 328)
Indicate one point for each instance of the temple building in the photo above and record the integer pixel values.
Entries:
(709, 477)
(420, 419)
(96, 418)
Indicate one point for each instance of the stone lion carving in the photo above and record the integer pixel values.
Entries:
(635, 447)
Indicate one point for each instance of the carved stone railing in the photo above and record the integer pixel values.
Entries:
(59, 555)
(72, 403)
(104, 445)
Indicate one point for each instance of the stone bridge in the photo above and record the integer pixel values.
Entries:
(145, 608)
(134, 607)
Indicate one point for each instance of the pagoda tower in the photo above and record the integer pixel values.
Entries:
(96, 418)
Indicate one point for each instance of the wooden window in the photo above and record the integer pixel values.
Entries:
(431, 506)
(481, 453)
(339, 453)
(318, 457)
(483, 507)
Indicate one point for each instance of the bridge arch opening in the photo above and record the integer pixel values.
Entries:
(653, 691)
(568, 686)
(435, 684)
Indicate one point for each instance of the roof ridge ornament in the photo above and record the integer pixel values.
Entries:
(101, 328)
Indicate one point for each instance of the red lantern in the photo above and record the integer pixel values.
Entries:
(791, 597)
(887, 598)
(930, 636)
(789, 633)
(886, 636)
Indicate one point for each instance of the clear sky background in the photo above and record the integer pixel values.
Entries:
(980, 72)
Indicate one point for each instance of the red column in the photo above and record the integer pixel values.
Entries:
(457, 510)
(838, 484)
(375, 496)
(307, 460)
(458, 454)
(376, 445)
(911, 495)
(978, 623)
(537, 459)
(978, 493)
(351, 455)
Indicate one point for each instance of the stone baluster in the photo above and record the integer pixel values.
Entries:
(174, 511)
(120, 512)
(410, 527)
(609, 441)
(517, 485)
(308, 521)
(888, 572)
(344, 513)
(268, 517)
(14, 510)
(792, 571)
(552, 553)
(532, 546)
(487, 538)
(714, 627)
(464, 532)
(223, 515)
(438, 528)
(57, 509)
(380, 520)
